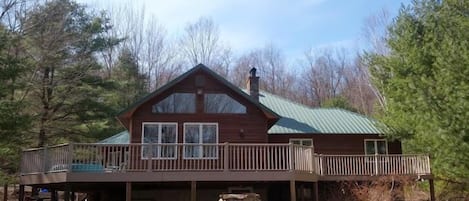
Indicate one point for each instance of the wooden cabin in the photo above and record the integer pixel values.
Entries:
(200, 136)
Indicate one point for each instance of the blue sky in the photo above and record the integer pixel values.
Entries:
(291, 25)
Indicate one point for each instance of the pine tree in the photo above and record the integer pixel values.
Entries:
(130, 81)
(425, 80)
(14, 122)
(67, 92)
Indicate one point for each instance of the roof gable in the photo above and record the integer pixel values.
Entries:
(124, 116)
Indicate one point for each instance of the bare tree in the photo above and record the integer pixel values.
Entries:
(159, 56)
(357, 89)
(6, 6)
(201, 44)
(375, 32)
(272, 68)
(13, 11)
(108, 56)
(148, 43)
(243, 64)
(323, 76)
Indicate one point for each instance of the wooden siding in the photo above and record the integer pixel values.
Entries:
(253, 124)
(337, 143)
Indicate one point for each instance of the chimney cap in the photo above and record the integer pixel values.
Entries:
(253, 72)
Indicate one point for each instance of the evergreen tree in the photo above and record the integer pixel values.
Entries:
(67, 92)
(339, 102)
(425, 80)
(131, 82)
(14, 122)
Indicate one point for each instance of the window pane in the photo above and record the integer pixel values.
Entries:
(191, 136)
(382, 149)
(209, 136)
(150, 133)
(209, 133)
(298, 142)
(307, 143)
(176, 103)
(168, 135)
(369, 147)
(222, 103)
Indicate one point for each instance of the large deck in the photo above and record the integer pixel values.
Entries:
(208, 162)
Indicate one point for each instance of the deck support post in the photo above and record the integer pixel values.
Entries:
(34, 191)
(432, 190)
(67, 192)
(5, 192)
(193, 190)
(292, 190)
(53, 194)
(128, 191)
(316, 191)
(21, 193)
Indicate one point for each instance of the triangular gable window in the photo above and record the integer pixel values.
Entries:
(176, 103)
(222, 103)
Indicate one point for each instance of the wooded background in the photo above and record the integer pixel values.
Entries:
(67, 69)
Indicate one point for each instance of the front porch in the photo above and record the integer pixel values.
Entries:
(217, 162)
(144, 163)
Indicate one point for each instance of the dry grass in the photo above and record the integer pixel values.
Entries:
(388, 189)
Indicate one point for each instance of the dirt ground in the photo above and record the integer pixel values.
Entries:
(11, 193)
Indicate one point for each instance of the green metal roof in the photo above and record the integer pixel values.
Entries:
(297, 118)
(119, 138)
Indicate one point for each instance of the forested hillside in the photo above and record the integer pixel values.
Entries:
(66, 69)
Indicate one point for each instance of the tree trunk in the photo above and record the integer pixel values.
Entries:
(45, 99)
(5, 192)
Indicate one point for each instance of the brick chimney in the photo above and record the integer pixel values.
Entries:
(253, 84)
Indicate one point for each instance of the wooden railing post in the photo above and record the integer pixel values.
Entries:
(291, 156)
(321, 171)
(427, 164)
(70, 157)
(376, 163)
(225, 157)
(150, 157)
(45, 159)
(313, 162)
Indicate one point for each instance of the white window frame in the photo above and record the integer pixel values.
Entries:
(159, 140)
(375, 141)
(200, 124)
(301, 141)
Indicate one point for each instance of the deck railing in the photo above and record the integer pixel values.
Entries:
(108, 158)
(356, 165)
